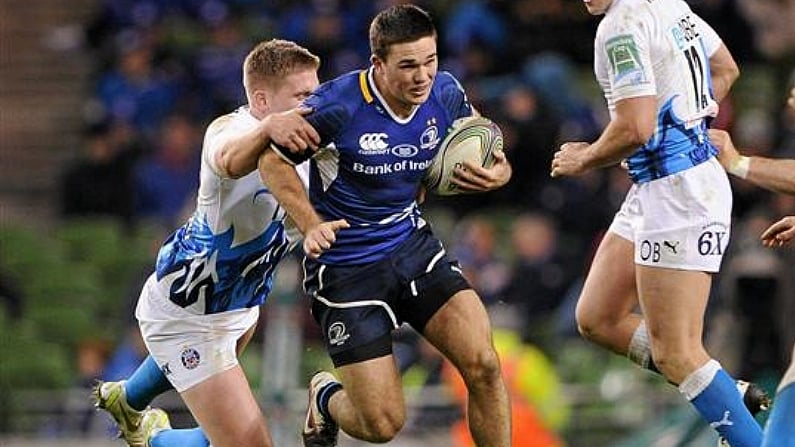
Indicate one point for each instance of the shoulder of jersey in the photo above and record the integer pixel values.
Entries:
(223, 121)
(444, 79)
(340, 88)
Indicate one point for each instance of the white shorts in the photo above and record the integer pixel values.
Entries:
(189, 348)
(682, 221)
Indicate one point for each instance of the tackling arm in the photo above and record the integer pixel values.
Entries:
(283, 182)
(773, 174)
(238, 156)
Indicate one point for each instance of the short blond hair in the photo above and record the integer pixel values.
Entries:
(272, 60)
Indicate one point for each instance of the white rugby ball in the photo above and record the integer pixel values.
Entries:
(472, 138)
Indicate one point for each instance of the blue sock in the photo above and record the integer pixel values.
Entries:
(780, 431)
(185, 437)
(323, 398)
(146, 383)
(715, 396)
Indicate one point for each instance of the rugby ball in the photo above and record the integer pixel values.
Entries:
(474, 139)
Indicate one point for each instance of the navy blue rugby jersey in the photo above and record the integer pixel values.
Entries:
(370, 170)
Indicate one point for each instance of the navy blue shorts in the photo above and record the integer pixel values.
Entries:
(358, 306)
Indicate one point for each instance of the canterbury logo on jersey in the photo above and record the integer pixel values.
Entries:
(373, 143)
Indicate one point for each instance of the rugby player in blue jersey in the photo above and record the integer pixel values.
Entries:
(200, 306)
(372, 261)
(776, 175)
(663, 71)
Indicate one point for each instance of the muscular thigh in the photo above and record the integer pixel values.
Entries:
(609, 292)
(673, 303)
(461, 329)
(227, 411)
(374, 386)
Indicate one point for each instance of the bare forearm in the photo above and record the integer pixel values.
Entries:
(617, 142)
(239, 156)
(283, 182)
(774, 174)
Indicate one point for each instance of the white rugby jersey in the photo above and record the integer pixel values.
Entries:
(660, 48)
(224, 256)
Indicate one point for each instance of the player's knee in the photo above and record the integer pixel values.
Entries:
(384, 426)
(483, 369)
(586, 321)
(596, 327)
(587, 326)
(671, 363)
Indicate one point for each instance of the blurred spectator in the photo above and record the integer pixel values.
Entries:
(474, 37)
(557, 26)
(530, 137)
(476, 250)
(552, 76)
(135, 91)
(729, 21)
(218, 70)
(100, 182)
(92, 354)
(166, 179)
(331, 31)
(126, 357)
(771, 21)
(540, 274)
(754, 285)
(470, 22)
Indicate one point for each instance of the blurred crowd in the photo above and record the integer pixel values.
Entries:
(165, 68)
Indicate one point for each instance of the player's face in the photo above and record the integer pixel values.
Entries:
(407, 73)
(290, 91)
(597, 7)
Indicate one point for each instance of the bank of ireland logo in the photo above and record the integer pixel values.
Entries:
(336, 334)
(373, 143)
(190, 358)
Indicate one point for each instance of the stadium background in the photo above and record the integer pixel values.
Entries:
(102, 106)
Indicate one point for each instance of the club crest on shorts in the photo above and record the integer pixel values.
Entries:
(336, 333)
(190, 358)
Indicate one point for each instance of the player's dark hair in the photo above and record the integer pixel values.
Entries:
(399, 24)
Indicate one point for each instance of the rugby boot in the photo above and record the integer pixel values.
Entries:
(755, 399)
(318, 431)
(111, 397)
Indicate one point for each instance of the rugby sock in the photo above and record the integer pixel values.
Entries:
(780, 431)
(182, 437)
(146, 383)
(715, 396)
(639, 350)
(323, 398)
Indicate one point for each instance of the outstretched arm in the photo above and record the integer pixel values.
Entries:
(769, 173)
(282, 180)
(780, 232)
